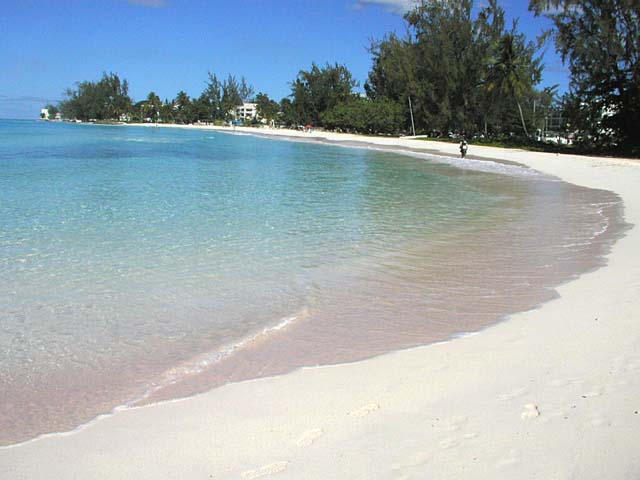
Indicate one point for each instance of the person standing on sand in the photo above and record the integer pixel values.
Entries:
(463, 148)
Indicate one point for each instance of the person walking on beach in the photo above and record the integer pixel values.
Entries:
(463, 148)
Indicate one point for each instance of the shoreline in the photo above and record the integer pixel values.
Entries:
(369, 403)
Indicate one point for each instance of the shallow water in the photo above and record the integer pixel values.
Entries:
(139, 264)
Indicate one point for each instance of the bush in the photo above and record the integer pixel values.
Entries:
(361, 115)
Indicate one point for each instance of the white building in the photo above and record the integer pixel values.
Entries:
(246, 111)
(44, 114)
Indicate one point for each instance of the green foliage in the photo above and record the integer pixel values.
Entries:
(362, 115)
(152, 107)
(52, 109)
(288, 116)
(106, 99)
(393, 72)
(210, 101)
(600, 40)
(513, 70)
(459, 68)
(219, 99)
(167, 112)
(183, 109)
(245, 91)
(267, 108)
(234, 93)
(318, 90)
(449, 65)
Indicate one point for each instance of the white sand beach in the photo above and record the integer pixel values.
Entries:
(552, 393)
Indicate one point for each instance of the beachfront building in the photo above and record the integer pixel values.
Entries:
(246, 111)
(46, 114)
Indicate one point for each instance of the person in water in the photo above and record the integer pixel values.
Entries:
(463, 148)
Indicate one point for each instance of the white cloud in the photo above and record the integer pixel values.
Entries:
(396, 6)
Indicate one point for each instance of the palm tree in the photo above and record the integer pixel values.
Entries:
(514, 71)
(154, 103)
(182, 105)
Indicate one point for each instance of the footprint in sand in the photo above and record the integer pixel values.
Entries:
(453, 424)
(565, 382)
(553, 414)
(415, 460)
(508, 461)
(307, 438)
(365, 410)
(558, 382)
(512, 458)
(599, 421)
(265, 470)
(515, 394)
(449, 443)
(596, 392)
(530, 411)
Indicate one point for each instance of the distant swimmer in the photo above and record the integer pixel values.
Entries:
(463, 148)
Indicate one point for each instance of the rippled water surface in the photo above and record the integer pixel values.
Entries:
(138, 264)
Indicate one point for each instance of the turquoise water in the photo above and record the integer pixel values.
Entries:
(133, 260)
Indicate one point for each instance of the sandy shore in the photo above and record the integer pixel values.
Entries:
(552, 393)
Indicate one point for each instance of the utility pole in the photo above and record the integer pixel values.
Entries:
(413, 127)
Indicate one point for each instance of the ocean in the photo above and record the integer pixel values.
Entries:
(139, 264)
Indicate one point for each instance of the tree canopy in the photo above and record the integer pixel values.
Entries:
(267, 108)
(106, 99)
(458, 68)
(513, 70)
(461, 73)
(363, 115)
(600, 41)
(317, 90)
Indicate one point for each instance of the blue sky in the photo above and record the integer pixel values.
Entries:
(170, 45)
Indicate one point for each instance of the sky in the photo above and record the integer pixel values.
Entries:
(170, 45)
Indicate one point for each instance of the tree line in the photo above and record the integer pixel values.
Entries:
(108, 99)
(457, 69)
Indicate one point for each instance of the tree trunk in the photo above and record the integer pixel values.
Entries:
(524, 126)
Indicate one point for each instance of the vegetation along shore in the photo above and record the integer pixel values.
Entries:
(457, 72)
